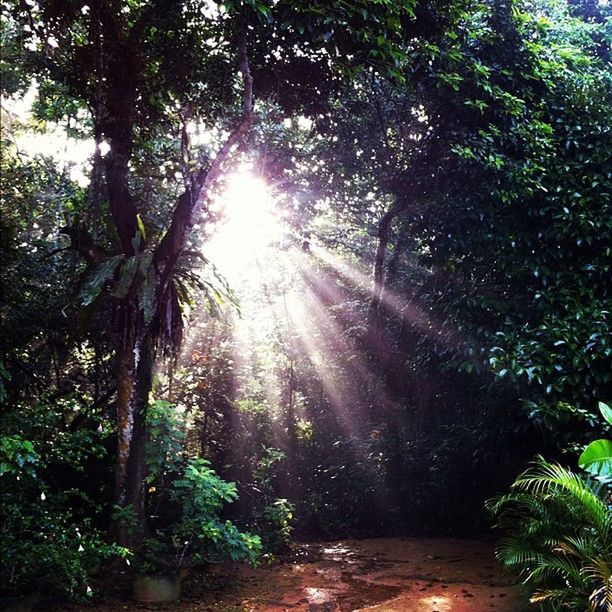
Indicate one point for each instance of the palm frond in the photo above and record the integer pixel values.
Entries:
(600, 599)
(553, 567)
(559, 528)
(548, 478)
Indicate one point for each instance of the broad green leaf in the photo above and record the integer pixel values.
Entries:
(597, 458)
(606, 412)
(93, 287)
(126, 277)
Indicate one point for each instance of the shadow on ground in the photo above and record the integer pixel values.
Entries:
(390, 575)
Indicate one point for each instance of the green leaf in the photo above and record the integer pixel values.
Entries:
(606, 412)
(93, 287)
(597, 458)
(141, 227)
(126, 278)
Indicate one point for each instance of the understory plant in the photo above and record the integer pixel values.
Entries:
(46, 547)
(277, 527)
(194, 532)
(53, 554)
(597, 456)
(274, 516)
(186, 501)
(559, 537)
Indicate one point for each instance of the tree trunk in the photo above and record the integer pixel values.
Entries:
(378, 290)
(375, 310)
(134, 381)
(120, 50)
(135, 352)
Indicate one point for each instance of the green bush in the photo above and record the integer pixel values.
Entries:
(45, 547)
(277, 525)
(198, 534)
(50, 553)
(559, 540)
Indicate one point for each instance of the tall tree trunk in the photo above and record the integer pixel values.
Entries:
(378, 290)
(135, 351)
(375, 313)
(134, 381)
(120, 51)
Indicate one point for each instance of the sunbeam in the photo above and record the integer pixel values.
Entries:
(427, 323)
(250, 224)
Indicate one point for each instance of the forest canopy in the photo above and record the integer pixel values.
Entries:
(304, 268)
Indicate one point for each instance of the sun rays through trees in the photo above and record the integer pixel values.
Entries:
(282, 270)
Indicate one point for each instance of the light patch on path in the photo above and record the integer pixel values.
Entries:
(375, 575)
(387, 575)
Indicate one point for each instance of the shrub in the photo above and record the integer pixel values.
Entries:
(559, 538)
(277, 525)
(50, 553)
(198, 534)
(45, 547)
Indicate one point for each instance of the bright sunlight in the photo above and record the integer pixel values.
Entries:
(306, 286)
(249, 225)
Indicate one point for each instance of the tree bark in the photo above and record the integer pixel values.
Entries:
(378, 289)
(134, 382)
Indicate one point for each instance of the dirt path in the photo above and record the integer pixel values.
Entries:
(381, 575)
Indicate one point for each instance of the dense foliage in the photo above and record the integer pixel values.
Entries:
(432, 314)
(559, 527)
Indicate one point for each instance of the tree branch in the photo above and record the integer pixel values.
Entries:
(191, 202)
(210, 177)
(81, 241)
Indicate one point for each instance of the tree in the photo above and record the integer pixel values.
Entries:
(475, 164)
(528, 255)
(143, 71)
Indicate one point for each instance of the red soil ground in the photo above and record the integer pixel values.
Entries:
(379, 575)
